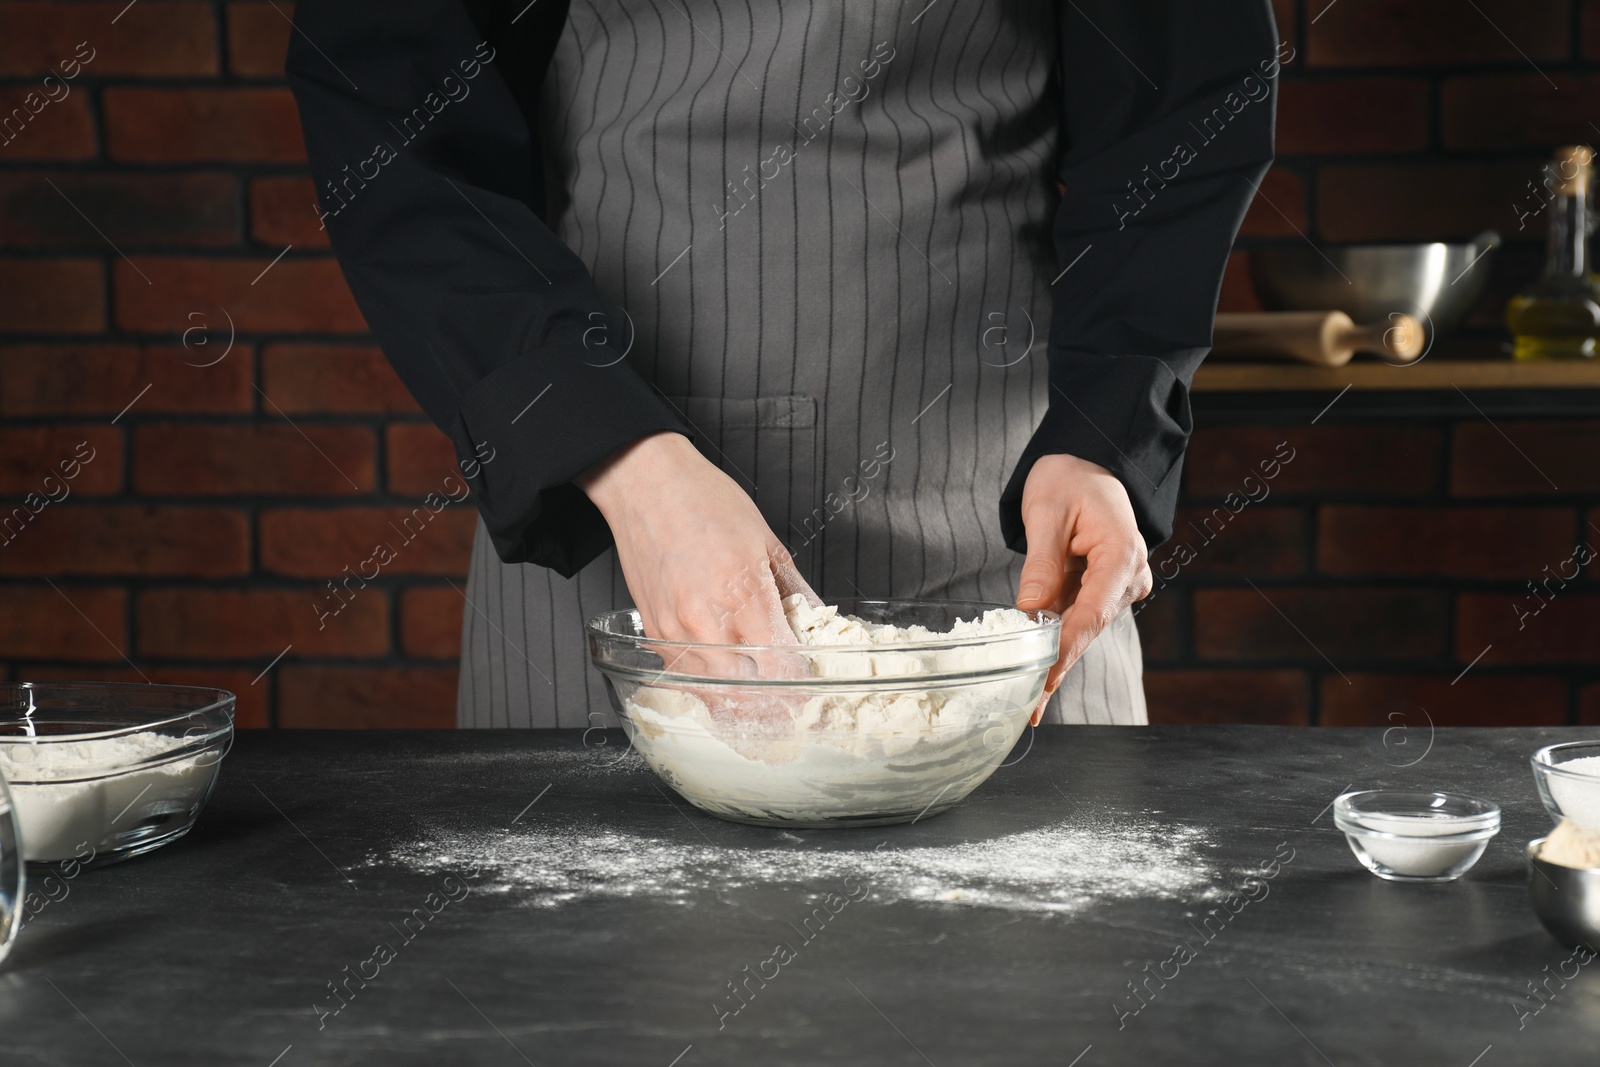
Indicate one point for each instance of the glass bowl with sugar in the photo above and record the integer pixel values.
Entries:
(103, 771)
(1568, 780)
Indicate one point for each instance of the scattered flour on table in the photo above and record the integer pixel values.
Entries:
(1057, 868)
(598, 758)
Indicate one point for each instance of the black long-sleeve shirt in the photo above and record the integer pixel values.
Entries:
(1167, 109)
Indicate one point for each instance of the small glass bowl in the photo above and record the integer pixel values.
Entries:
(1568, 793)
(102, 771)
(1416, 837)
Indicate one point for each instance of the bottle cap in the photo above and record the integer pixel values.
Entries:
(1571, 170)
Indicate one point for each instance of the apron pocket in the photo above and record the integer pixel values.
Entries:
(767, 445)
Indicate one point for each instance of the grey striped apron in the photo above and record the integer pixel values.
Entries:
(824, 232)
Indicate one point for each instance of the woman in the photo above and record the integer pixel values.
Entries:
(756, 293)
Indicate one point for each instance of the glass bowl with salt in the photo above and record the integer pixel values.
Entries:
(883, 711)
(102, 771)
(1568, 779)
(1416, 837)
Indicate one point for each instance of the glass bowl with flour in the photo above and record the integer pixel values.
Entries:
(101, 771)
(883, 711)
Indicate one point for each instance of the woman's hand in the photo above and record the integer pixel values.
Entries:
(699, 559)
(1086, 557)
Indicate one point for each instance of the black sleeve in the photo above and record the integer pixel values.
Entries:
(419, 120)
(1168, 112)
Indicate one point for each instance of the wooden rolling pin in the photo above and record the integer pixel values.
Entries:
(1323, 338)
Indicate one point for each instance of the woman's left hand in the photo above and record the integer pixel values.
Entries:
(1086, 557)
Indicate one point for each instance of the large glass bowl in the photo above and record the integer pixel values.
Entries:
(101, 771)
(1568, 782)
(815, 736)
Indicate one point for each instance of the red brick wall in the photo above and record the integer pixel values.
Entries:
(1382, 569)
(138, 214)
(158, 215)
(1389, 554)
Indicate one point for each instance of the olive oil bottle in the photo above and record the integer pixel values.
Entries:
(1558, 316)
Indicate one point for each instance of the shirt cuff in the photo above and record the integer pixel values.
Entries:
(535, 424)
(1130, 415)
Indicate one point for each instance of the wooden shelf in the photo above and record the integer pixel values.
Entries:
(1241, 377)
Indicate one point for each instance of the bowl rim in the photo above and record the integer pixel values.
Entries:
(807, 685)
(1541, 763)
(1041, 619)
(1489, 817)
(225, 701)
(1489, 239)
(1371, 246)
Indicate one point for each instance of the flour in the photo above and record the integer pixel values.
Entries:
(68, 795)
(1060, 868)
(924, 726)
(1571, 845)
(825, 627)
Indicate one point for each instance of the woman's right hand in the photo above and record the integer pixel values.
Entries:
(700, 561)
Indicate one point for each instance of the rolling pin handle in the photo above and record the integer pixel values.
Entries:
(1403, 338)
(1399, 340)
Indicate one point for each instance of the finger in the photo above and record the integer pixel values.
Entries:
(1144, 583)
(788, 577)
(1044, 701)
(684, 660)
(759, 619)
(1044, 569)
(1071, 583)
(1109, 581)
(1072, 569)
(1071, 588)
(738, 610)
(665, 629)
(647, 622)
(1048, 582)
(762, 622)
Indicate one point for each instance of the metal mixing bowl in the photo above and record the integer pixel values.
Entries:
(1438, 284)
(1566, 900)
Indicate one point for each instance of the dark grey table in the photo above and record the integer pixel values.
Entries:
(217, 949)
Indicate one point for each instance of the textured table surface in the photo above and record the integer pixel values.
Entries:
(546, 902)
